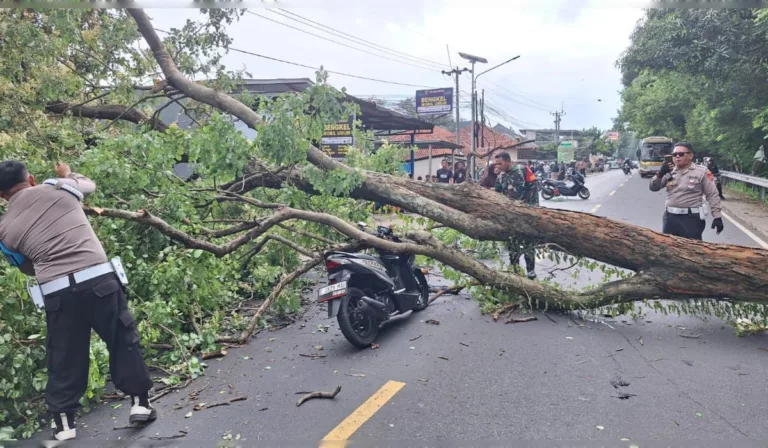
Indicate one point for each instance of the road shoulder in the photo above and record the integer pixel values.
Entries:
(748, 212)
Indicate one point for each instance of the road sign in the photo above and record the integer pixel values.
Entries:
(434, 101)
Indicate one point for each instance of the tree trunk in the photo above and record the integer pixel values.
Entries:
(666, 266)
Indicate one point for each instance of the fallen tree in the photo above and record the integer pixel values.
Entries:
(220, 255)
(666, 267)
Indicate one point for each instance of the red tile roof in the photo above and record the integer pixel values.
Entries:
(491, 139)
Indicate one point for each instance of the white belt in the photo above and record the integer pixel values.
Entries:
(682, 211)
(80, 277)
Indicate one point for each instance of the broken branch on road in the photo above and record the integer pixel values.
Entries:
(517, 320)
(200, 407)
(313, 395)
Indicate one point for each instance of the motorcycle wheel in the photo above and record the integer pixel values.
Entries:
(359, 328)
(423, 291)
(584, 193)
(547, 193)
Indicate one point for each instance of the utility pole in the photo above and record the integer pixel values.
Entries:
(482, 118)
(558, 116)
(456, 72)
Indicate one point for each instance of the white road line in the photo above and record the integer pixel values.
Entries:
(595, 209)
(754, 237)
(612, 193)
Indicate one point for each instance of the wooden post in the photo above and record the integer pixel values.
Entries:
(430, 160)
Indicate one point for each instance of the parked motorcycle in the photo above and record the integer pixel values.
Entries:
(553, 188)
(365, 291)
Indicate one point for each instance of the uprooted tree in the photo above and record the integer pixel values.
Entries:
(258, 214)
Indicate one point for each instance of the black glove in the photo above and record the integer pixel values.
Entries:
(664, 170)
(717, 223)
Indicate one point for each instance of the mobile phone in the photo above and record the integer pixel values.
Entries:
(668, 159)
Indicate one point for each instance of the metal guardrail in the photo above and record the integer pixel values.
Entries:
(759, 182)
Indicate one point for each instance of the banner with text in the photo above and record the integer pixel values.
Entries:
(337, 138)
(434, 101)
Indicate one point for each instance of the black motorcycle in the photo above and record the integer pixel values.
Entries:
(365, 291)
(626, 169)
(553, 188)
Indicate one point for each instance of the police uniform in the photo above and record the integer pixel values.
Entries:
(513, 184)
(47, 234)
(685, 189)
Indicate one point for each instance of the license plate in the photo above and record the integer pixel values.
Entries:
(332, 291)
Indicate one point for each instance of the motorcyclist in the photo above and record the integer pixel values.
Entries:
(712, 166)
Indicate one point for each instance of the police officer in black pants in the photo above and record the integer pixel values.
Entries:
(687, 184)
(45, 233)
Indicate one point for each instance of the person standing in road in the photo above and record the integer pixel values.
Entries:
(444, 174)
(460, 175)
(517, 182)
(759, 159)
(686, 184)
(712, 167)
(45, 233)
(554, 170)
(491, 174)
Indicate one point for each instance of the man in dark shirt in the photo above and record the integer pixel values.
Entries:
(444, 174)
(461, 173)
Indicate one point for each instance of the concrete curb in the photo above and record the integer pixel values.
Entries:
(760, 233)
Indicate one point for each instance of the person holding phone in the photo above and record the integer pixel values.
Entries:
(686, 184)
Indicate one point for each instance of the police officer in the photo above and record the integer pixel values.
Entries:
(686, 183)
(45, 233)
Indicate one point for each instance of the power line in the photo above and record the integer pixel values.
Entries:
(501, 112)
(519, 95)
(318, 68)
(362, 41)
(339, 43)
(330, 71)
(516, 101)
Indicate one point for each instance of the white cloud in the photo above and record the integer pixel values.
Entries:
(568, 49)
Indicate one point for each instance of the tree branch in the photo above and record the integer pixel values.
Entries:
(485, 215)
(284, 281)
(104, 112)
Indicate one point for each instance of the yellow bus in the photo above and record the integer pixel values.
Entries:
(650, 154)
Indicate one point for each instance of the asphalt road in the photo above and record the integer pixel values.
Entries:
(658, 377)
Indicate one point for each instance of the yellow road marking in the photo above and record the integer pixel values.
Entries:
(356, 419)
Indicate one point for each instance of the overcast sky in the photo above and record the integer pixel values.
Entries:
(567, 49)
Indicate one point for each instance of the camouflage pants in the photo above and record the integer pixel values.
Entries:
(522, 247)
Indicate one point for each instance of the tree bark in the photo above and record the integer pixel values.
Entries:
(666, 266)
(105, 112)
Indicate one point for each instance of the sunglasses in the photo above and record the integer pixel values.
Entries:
(680, 154)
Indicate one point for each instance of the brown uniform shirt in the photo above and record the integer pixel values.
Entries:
(49, 227)
(685, 188)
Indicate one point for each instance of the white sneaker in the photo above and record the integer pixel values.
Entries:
(65, 427)
(141, 414)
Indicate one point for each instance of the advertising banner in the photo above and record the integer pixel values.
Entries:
(434, 101)
(337, 138)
